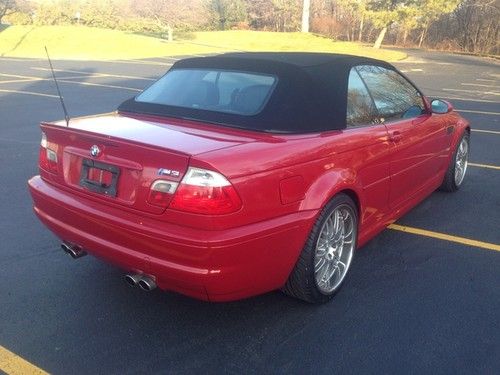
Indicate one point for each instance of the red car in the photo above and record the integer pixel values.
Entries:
(239, 174)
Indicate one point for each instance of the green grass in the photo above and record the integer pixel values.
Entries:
(85, 43)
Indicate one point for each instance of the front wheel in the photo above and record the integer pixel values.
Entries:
(327, 255)
(455, 173)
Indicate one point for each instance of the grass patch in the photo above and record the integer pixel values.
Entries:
(85, 43)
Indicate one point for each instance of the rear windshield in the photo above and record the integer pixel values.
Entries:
(228, 91)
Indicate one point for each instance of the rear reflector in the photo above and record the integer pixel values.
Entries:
(161, 191)
(205, 192)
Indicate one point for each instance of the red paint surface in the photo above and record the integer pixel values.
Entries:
(283, 182)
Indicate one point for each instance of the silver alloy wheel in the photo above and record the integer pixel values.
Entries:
(461, 161)
(335, 248)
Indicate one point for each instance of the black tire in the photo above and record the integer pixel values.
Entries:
(302, 282)
(450, 183)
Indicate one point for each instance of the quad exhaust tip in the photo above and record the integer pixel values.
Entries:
(145, 282)
(73, 250)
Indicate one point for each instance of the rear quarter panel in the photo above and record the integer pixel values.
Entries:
(356, 160)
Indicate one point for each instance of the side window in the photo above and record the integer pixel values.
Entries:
(394, 97)
(360, 108)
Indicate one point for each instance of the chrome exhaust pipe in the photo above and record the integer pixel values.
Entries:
(132, 280)
(147, 283)
(73, 250)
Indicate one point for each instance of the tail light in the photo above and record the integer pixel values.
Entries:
(48, 157)
(206, 192)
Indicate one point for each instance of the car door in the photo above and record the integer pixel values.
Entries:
(418, 139)
(371, 150)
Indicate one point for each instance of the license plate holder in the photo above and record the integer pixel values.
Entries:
(111, 173)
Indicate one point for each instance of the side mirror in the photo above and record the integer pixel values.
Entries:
(441, 106)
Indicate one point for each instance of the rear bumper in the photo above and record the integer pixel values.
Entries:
(211, 265)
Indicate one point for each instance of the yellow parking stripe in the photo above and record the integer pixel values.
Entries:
(484, 166)
(12, 364)
(445, 237)
(485, 131)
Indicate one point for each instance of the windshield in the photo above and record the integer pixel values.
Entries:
(214, 90)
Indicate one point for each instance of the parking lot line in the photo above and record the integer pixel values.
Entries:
(39, 79)
(90, 74)
(445, 237)
(484, 166)
(28, 93)
(73, 82)
(100, 85)
(469, 99)
(480, 112)
(486, 80)
(19, 76)
(136, 62)
(12, 364)
(485, 131)
(479, 84)
(474, 91)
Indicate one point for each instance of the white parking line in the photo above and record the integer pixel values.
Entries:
(136, 62)
(19, 76)
(480, 85)
(94, 74)
(28, 93)
(481, 112)
(469, 99)
(474, 91)
(486, 80)
(74, 82)
(38, 79)
(100, 85)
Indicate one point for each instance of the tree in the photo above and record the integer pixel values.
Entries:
(477, 26)
(7, 7)
(383, 13)
(408, 20)
(306, 6)
(276, 15)
(430, 11)
(227, 12)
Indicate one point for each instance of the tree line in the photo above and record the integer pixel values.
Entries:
(466, 25)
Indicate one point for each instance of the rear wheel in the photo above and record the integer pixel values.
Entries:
(458, 166)
(327, 255)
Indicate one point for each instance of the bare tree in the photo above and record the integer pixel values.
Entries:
(7, 7)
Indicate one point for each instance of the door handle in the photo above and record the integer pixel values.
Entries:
(395, 136)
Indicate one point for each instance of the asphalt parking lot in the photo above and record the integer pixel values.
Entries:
(413, 303)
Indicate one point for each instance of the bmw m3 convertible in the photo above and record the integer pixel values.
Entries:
(242, 173)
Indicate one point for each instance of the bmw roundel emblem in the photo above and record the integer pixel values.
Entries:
(95, 151)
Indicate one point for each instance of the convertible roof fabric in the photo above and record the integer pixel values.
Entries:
(310, 96)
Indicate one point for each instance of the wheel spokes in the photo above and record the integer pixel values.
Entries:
(334, 248)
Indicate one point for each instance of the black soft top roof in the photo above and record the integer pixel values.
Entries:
(310, 96)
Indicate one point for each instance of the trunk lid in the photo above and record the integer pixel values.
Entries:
(117, 158)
